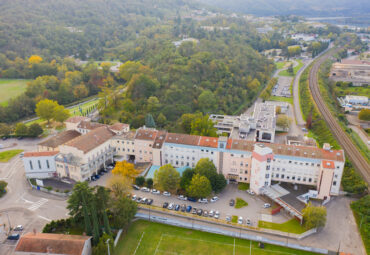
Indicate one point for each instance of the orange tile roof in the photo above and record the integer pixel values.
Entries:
(51, 243)
(60, 138)
(40, 154)
(182, 139)
(77, 119)
(208, 141)
(146, 134)
(328, 164)
(89, 125)
(118, 126)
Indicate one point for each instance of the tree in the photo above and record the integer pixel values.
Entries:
(149, 183)
(3, 185)
(80, 191)
(5, 130)
(205, 167)
(119, 185)
(203, 126)
(161, 120)
(60, 114)
(364, 114)
(123, 211)
(290, 69)
(123, 168)
(186, 177)
(45, 109)
(219, 183)
(21, 129)
(35, 130)
(34, 59)
(167, 178)
(207, 101)
(80, 91)
(140, 180)
(105, 67)
(283, 121)
(101, 248)
(314, 216)
(149, 121)
(186, 120)
(199, 187)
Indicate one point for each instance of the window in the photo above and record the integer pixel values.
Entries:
(304, 179)
(268, 160)
(310, 179)
(267, 176)
(245, 172)
(266, 184)
(245, 178)
(298, 178)
(212, 152)
(334, 183)
(47, 164)
(166, 161)
(31, 166)
(306, 164)
(38, 161)
(277, 175)
(268, 167)
(293, 177)
(282, 176)
(288, 177)
(290, 161)
(318, 164)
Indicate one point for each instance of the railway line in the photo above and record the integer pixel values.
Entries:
(350, 149)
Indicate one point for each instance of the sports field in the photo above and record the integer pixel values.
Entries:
(148, 238)
(11, 88)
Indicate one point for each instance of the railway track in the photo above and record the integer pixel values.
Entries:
(350, 149)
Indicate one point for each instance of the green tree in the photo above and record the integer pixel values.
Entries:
(290, 69)
(86, 215)
(205, 167)
(167, 178)
(186, 177)
(3, 185)
(283, 121)
(186, 120)
(314, 216)
(203, 126)
(60, 113)
(35, 130)
(21, 129)
(199, 187)
(364, 114)
(149, 121)
(45, 109)
(149, 183)
(5, 130)
(123, 211)
(139, 181)
(161, 120)
(352, 181)
(207, 101)
(80, 191)
(102, 248)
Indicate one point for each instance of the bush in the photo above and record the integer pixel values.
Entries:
(352, 181)
(149, 183)
(140, 181)
(362, 214)
(49, 188)
(3, 185)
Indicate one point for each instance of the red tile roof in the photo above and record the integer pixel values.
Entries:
(51, 243)
(328, 164)
(40, 154)
(60, 138)
(208, 141)
(89, 125)
(182, 139)
(77, 119)
(118, 126)
(146, 134)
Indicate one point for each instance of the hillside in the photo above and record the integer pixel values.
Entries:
(301, 7)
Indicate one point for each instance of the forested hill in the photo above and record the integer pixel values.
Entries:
(296, 7)
(79, 27)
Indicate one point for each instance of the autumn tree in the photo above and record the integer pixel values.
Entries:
(364, 114)
(283, 121)
(21, 129)
(199, 187)
(60, 114)
(35, 130)
(34, 59)
(119, 185)
(45, 109)
(80, 91)
(314, 216)
(202, 125)
(167, 178)
(125, 169)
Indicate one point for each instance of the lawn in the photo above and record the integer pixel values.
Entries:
(282, 99)
(240, 203)
(291, 226)
(153, 238)
(295, 69)
(243, 186)
(76, 110)
(11, 88)
(5, 156)
(281, 65)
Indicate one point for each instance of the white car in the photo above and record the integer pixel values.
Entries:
(166, 193)
(211, 213)
(228, 218)
(214, 199)
(171, 206)
(18, 228)
(203, 200)
(182, 197)
(240, 220)
(266, 205)
(217, 214)
(145, 189)
(156, 192)
(250, 192)
(134, 198)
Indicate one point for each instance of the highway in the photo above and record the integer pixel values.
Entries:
(350, 149)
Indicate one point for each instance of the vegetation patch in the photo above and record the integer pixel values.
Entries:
(11, 88)
(361, 212)
(295, 69)
(243, 186)
(234, 219)
(282, 99)
(5, 156)
(352, 181)
(291, 226)
(3, 185)
(240, 203)
(154, 238)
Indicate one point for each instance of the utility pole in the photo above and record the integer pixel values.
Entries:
(10, 226)
(107, 242)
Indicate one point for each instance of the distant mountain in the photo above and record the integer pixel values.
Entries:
(297, 7)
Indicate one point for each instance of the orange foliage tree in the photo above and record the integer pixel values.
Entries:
(123, 168)
(34, 59)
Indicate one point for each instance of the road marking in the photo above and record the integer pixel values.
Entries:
(139, 243)
(160, 240)
(38, 204)
(44, 218)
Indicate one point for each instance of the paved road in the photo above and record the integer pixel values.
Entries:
(351, 150)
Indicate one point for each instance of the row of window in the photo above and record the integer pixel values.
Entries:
(128, 142)
(293, 178)
(39, 164)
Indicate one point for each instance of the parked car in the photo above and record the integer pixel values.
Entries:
(97, 176)
(200, 212)
(18, 228)
(165, 205)
(177, 207)
(166, 193)
(13, 237)
(217, 214)
(188, 208)
(143, 201)
(232, 202)
(21, 155)
(203, 200)
(205, 213)
(214, 199)
(266, 205)
(182, 197)
(92, 178)
(191, 199)
(194, 210)
(183, 208)
(171, 206)
(149, 201)
(134, 197)
(249, 223)
(211, 213)
(145, 189)
(138, 199)
(240, 220)
(136, 187)
(228, 218)
(110, 167)
(156, 192)
(250, 192)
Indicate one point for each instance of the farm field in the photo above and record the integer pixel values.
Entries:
(145, 237)
(11, 88)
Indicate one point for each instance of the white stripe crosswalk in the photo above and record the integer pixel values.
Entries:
(38, 204)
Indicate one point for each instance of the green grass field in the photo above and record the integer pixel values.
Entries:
(243, 186)
(281, 65)
(282, 99)
(153, 238)
(295, 69)
(240, 203)
(11, 88)
(291, 226)
(5, 156)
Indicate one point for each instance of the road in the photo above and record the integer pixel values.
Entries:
(351, 150)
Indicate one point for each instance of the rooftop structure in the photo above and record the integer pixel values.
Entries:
(350, 99)
(355, 71)
(265, 117)
(54, 142)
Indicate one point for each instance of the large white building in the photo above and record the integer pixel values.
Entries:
(39, 165)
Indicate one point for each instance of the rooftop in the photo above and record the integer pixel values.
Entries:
(92, 139)
(89, 125)
(206, 141)
(77, 119)
(60, 138)
(159, 140)
(118, 126)
(51, 243)
(328, 164)
(183, 139)
(127, 136)
(146, 134)
(40, 154)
